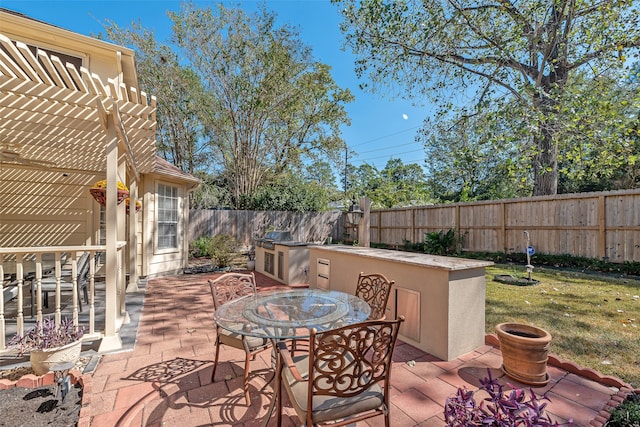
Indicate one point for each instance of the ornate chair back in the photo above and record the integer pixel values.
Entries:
(345, 375)
(230, 286)
(374, 289)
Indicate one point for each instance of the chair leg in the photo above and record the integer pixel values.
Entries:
(215, 361)
(277, 391)
(247, 361)
(79, 301)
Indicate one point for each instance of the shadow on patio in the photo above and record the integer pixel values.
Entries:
(166, 378)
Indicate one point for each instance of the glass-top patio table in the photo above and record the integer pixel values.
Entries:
(290, 314)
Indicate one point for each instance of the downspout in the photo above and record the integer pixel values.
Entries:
(187, 215)
(132, 286)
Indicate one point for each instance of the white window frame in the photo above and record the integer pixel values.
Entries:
(174, 200)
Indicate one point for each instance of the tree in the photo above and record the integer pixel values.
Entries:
(397, 185)
(177, 89)
(601, 150)
(473, 157)
(321, 173)
(212, 192)
(524, 52)
(289, 193)
(267, 105)
(476, 156)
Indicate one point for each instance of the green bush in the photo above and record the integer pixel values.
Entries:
(627, 414)
(222, 248)
(567, 262)
(198, 247)
(443, 242)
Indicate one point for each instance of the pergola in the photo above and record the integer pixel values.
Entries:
(57, 116)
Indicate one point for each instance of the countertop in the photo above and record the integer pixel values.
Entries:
(426, 260)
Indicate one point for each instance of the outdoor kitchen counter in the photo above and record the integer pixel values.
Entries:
(442, 298)
(433, 261)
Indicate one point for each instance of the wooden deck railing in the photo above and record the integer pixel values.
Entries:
(23, 269)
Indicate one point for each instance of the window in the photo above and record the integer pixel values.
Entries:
(167, 217)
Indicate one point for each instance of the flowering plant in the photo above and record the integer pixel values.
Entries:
(103, 184)
(46, 335)
(127, 202)
(499, 409)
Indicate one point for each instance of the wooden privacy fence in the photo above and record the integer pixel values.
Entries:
(591, 225)
(247, 226)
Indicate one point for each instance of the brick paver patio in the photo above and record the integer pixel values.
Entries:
(165, 379)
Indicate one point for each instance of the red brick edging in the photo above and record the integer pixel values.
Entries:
(624, 389)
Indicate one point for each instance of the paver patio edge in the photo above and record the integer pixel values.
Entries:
(624, 389)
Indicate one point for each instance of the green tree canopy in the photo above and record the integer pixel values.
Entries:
(473, 157)
(523, 54)
(177, 89)
(478, 156)
(267, 104)
(240, 99)
(396, 185)
(290, 193)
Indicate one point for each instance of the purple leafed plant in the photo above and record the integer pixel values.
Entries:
(46, 335)
(499, 409)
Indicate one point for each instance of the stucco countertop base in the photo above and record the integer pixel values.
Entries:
(442, 298)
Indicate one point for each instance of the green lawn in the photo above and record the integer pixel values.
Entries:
(594, 320)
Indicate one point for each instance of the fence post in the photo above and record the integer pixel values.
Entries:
(602, 227)
(503, 228)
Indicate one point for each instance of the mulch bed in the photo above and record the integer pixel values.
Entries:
(35, 407)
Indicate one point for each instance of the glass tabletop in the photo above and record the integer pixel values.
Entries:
(291, 313)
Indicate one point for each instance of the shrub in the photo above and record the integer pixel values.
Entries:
(222, 248)
(499, 409)
(198, 247)
(443, 243)
(627, 414)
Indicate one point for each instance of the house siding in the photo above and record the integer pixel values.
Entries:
(32, 201)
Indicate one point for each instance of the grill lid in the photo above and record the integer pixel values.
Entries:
(279, 236)
(272, 237)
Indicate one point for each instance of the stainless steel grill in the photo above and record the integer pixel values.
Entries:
(273, 237)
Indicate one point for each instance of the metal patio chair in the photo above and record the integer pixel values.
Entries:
(225, 288)
(345, 376)
(375, 290)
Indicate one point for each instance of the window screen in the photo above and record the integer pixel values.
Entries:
(167, 217)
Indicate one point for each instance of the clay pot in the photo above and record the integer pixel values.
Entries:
(525, 352)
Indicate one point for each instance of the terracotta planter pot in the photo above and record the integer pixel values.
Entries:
(100, 195)
(525, 352)
(43, 360)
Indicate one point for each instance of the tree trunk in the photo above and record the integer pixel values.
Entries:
(545, 166)
(545, 162)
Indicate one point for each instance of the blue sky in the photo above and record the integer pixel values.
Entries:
(381, 128)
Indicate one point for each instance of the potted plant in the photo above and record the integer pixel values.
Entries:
(49, 345)
(498, 409)
(525, 350)
(99, 192)
(127, 202)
